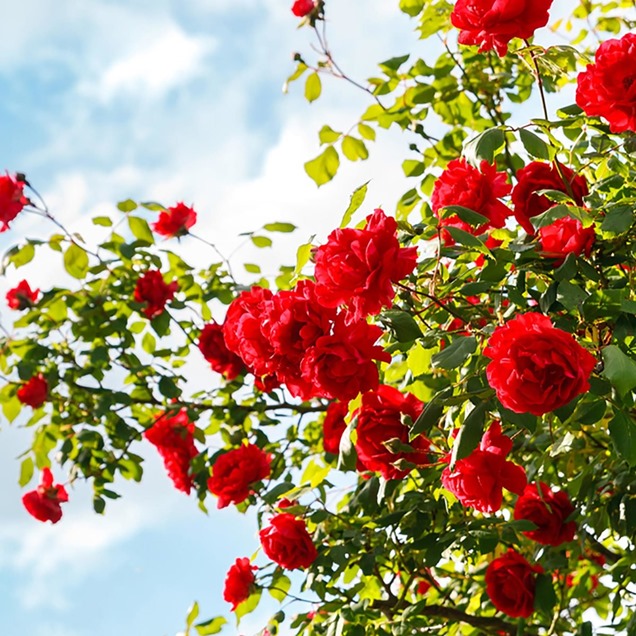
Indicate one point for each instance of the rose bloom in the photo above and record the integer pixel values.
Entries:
(287, 542)
(174, 438)
(607, 88)
(380, 420)
(43, 503)
(536, 368)
(491, 24)
(239, 581)
(152, 290)
(34, 391)
(478, 190)
(357, 268)
(334, 426)
(548, 510)
(510, 584)
(566, 236)
(479, 479)
(12, 200)
(22, 296)
(175, 221)
(536, 176)
(342, 365)
(301, 8)
(234, 473)
(222, 360)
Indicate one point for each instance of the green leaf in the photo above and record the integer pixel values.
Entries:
(23, 256)
(402, 324)
(394, 63)
(545, 597)
(356, 200)
(534, 145)
(248, 606)
(411, 7)
(622, 430)
(347, 456)
(140, 229)
(618, 220)
(26, 471)
(252, 268)
(104, 221)
(168, 388)
(468, 240)
(470, 433)
(261, 241)
(282, 583)
(76, 261)
(148, 343)
(354, 149)
(328, 135)
(324, 167)
(279, 227)
(303, 253)
(619, 369)
(484, 146)
(452, 356)
(465, 214)
(313, 87)
(431, 414)
(213, 626)
(127, 206)
(11, 408)
(193, 612)
(366, 131)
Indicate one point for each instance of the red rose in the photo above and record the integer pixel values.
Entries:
(34, 392)
(510, 583)
(175, 221)
(43, 503)
(334, 426)
(607, 88)
(12, 200)
(380, 420)
(152, 290)
(566, 236)
(479, 479)
(536, 368)
(238, 582)
(537, 176)
(287, 542)
(342, 365)
(301, 8)
(478, 190)
(549, 511)
(357, 268)
(243, 330)
(234, 473)
(491, 24)
(174, 438)
(22, 296)
(222, 360)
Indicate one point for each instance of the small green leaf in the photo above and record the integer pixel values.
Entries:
(140, 229)
(280, 587)
(619, 369)
(324, 167)
(622, 430)
(366, 131)
(347, 456)
(193, 613)
(465, 214)
(248, 606)
(468, 240)
(354, 149)
(26, 471)
(328, 135)
(76, 261)
(402, 324)
(452, 356)
(261, 241)
(484, 146)
(534, 145)
(252, 268)
(213, 626)
(356, 200)
(23, 256)
(303, 253)
(313, 87)
(127, 206)
(279, 227)
(470, 433)
(168, 388)
(148, 343)
(104, 221)
(545, 597)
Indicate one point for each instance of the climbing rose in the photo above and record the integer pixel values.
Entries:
(536, 368)
(548, 510)
(607, 88)
(537, 176)
(239, 581)
(43, 503)
(234, 473)
(510, 583)
(341, 365)
(565, 236)
(479, 479)
(334, 426)
(152, 290)
(174, 438)
(22, 296)
(175, 221)
(222, 360)
(12, 200)
(357, 268)
(380, 420)
(491, 24)
(287, 542)
(301, 8)
(478, 190)
(34, 392)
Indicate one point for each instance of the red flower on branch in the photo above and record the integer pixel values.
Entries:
(34, 391)
(491, 24)
(535, 367)
(548, 510)
(12, 200)
(479, 479)
(607, 88)
(287, 542)
(234, 473)
(566, 236)
(175, 221)
(222, 360)
(357, 268)
(152, 290)
(174, 438)
(239, 582)
(22, 296)
(511, 583)
(43, 503)
(301, 8)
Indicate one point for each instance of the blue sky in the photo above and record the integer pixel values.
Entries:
(164, 100)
